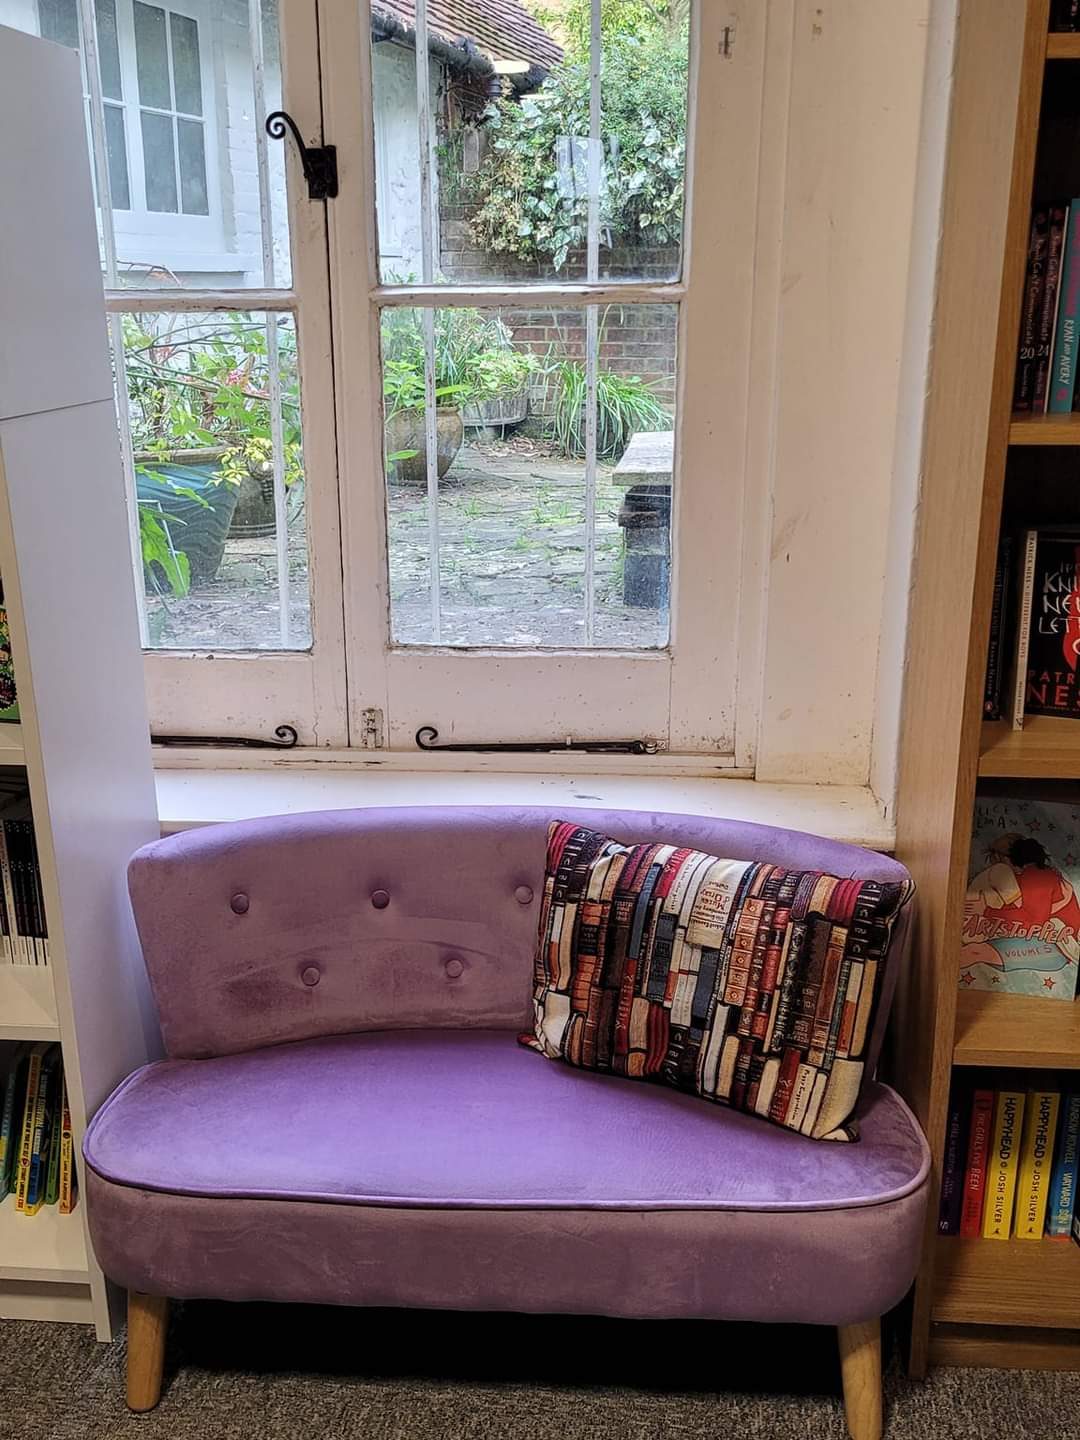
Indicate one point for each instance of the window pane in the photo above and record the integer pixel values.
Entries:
(159, 161)
(187, 79)
(205, 459)
(116, 151)
(152, 57)
(59, 21)
(513, 515)
(192, 167)
(108, 50)
(510, 118)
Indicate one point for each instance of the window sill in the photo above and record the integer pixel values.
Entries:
(188, 798)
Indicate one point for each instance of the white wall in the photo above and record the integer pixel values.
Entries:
(855, 86)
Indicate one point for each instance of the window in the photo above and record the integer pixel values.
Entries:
(496, 487)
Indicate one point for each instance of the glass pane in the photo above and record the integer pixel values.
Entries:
(109, 50)
(510, 121)
(59, 20)
(205, 460)
(513, 513)
(192, 167)
(116, 150)
(187, 80)
(159, 161)
(152, 56)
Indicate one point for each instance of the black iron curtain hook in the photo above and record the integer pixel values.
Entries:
(319, 161)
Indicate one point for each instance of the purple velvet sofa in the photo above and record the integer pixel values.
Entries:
(345, 1114)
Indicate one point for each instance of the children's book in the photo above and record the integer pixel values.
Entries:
(1004, 1164)
(1021, 930)
(1036, 1162)
(1063, 1178)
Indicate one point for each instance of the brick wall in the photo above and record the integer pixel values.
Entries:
(634, 340)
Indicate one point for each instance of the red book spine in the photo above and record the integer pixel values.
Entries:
(982, 1118)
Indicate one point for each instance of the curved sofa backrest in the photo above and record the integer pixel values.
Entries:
(266, 931)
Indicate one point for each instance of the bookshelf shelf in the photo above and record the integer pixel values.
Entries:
(27, 1003)
(1063, 47)
(1046, 429)
(11, 745)
(1047, 748)
(1016, 1031)
(45, 1246)
(1007, 1282)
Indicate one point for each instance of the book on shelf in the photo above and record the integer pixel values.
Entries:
(1062, 387)
(1027, 360)
(24, 935)
(1065, 16)
(1003, 1164)
(36, 1144)
(1036, 1162)
(9, 700)
(994, 684)
(953, 1164)
(1025, 599)
(980, 1126)
(1020, 933)
(1064, 1174)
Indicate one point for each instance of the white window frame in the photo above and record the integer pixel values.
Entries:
(688, 695)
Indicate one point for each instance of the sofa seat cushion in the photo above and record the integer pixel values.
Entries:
(469, 1119)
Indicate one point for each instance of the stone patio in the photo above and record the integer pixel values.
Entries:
(512, 540)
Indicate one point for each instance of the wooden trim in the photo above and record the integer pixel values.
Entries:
(1003, 1347)
(997, 85)
(1045, 429)
(1047, 748)
(528, 297)
(1024, 1031)
(1063, 47)
(166, 300)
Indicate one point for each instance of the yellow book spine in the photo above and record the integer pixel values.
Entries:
(1003, 1164)
(67, 1158)
(26, 1141)
(1036, 1160)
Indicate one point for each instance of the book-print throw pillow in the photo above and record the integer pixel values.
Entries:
(742, 982)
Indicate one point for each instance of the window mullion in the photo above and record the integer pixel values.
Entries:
(592, 272)
(87, 26)
(427, 266)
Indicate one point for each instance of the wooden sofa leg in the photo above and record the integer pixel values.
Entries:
(148, 1320)
(860, 1365)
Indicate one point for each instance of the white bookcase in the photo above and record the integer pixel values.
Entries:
(65, 561)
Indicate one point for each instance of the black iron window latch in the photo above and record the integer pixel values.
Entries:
(427, 738)
(319, 161)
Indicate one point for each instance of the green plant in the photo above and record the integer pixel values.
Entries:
(625, 404)
(474, 358)
(531, 194)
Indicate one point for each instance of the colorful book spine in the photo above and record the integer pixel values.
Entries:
(952, 1173)
(1036, 1163)
(1048, 313)
(1066, 1171)
(39, 1149)
(1063, 365)
(1034, 286)
(1004, 1164)
(26, 1140)
(9, 1140)
(978, 1154)
(1023, 626)
(67, 1158)
(52, 1176)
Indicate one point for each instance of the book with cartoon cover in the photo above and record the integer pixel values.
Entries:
(1021, 932)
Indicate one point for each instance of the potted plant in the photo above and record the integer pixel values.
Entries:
(477, 371)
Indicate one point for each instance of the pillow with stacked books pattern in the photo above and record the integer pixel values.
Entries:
(742, 982)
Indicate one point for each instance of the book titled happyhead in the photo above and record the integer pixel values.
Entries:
(1021, 930)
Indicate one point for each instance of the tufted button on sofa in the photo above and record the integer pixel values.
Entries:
(344, 1115)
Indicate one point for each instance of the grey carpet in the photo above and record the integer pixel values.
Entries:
(279, 1373)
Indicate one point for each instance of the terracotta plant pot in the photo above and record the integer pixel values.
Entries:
(406, 431)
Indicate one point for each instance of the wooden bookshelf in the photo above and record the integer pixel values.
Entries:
(1047, 748)
(1007, 1282)
(1045, 429)
(1014, 134)
(1016, 1031)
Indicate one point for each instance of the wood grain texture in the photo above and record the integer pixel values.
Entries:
(997, 84)
(1045, 429)
(1063, 47)
(860, 1367)
(1004, 1347)
(1022, 1031)
(1048, 748)
(148, 1323)
(1007, 1282)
